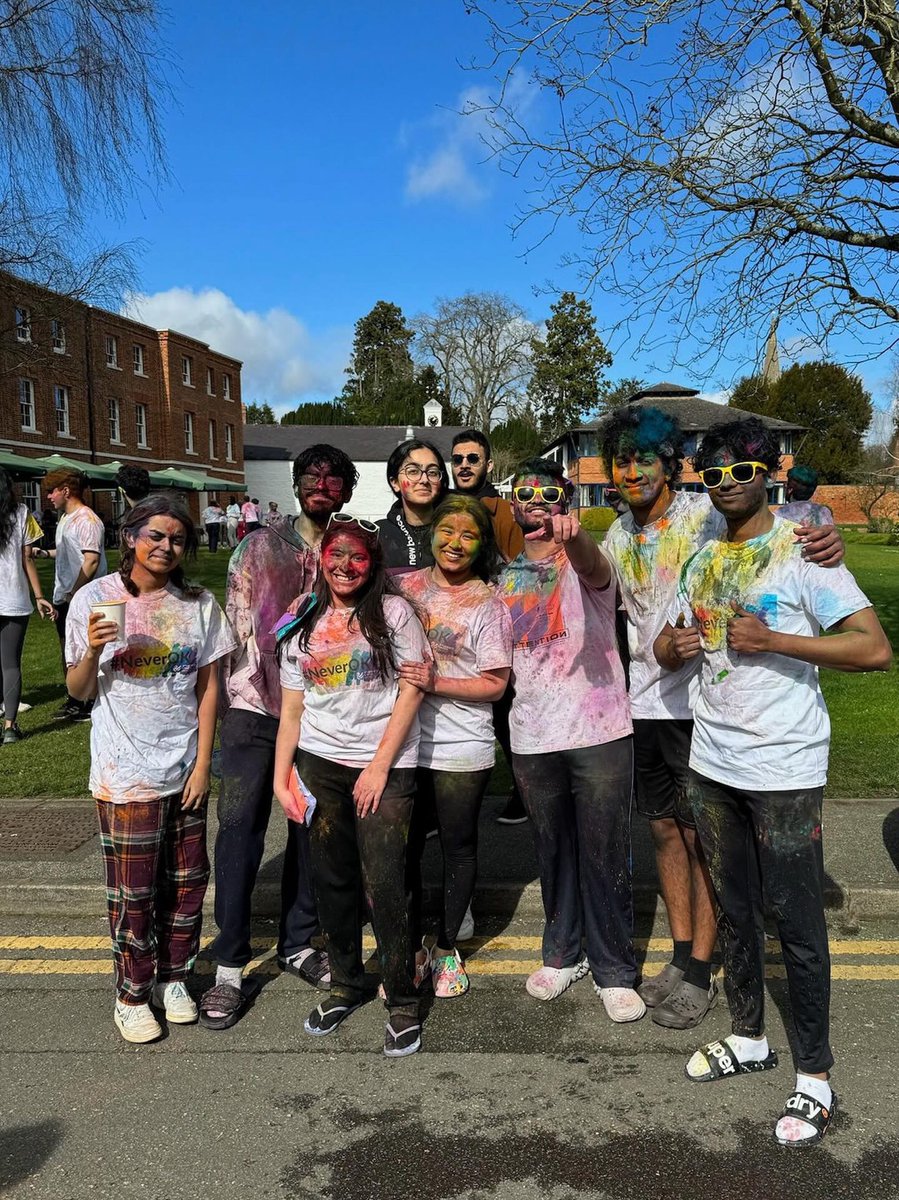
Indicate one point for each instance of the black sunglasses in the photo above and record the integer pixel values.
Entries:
(471, 459)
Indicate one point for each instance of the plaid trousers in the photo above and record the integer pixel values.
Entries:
(154, 855)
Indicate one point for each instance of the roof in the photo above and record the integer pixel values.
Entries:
(362, 443)
(692, 411)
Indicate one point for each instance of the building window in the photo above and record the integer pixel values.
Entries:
(189, 432)
(26, 405)
(58, 331)
(226, 387)
(187, 371)
(229, 443)
(61, 405)
(212, 453)
(140, 423)
(115, 423)
(210, 381)
(31, 496)
(138, 359)
(786, 443)
(23, 324)
(112, 350)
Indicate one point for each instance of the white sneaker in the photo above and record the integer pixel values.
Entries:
(466, 929)
(136, 1023)
(177, 1002)
(549, 982)
(621, 1004)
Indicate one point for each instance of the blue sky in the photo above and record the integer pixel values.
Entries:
(318, 166)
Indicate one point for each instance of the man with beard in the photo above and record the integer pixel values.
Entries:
(269, 569)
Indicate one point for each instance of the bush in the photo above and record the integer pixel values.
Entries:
(880, 525)
(597, 520)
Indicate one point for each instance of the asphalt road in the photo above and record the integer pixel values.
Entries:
(509, 1098)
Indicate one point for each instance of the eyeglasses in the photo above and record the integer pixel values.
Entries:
(334, 483)
(741, 472)
(413, 472)
(346, 519)
(471, 459)
(551, 494)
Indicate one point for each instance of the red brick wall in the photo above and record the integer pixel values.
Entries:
(591, 470)
(843, 501)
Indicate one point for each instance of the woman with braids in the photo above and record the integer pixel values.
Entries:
(348, 736)
(470, 632)
(18, 531)
(153, 723)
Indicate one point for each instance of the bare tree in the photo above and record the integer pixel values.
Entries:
(480, 344)
(723, 162)
(81, 87)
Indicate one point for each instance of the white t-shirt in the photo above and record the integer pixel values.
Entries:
(347, 705)
(144, 720)
(212, 516)
(569, 682)
(15, 594)
(648, 561)
(76, 532)
(232, 512)
(470, 631)
(760, 719)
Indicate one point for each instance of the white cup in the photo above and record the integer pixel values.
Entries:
(112, 610)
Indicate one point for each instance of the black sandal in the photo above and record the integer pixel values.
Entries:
(723, 1063)
(806, 1108)
(311, 970)
(402, 1036)
(223, 998)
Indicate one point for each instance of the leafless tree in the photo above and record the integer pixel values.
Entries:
(480, 345)
(82, 83)
(724, 162)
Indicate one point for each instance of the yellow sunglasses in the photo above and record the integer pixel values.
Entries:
(742, 472)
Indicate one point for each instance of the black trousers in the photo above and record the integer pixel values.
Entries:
(244, 809)
(356, 859)
(579, 802)
(455, 797)
(501, 710)
(212, 532)
(776, 834)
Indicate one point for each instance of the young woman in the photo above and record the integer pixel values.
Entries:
(153, 724)
(356, 725)
(17, 571)
(470, 632)
(418, 476)
(232, 519)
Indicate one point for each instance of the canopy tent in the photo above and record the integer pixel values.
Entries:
(196, 481)
(18, 467)
(95, 472)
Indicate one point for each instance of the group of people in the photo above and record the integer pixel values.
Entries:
(227, 526)
(365, 669)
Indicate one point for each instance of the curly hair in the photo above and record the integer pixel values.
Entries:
(488, 562)
(133, 521)
(323, 455)
(134, 481)
(635, 429)
(747, 440)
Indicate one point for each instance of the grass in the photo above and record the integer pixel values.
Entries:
(864, 761)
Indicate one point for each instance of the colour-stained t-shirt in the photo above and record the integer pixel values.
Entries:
(15, 594)
(144, 720)
(470, 631)
(760, 719)
(806, 512)
(648, 560)
(347, 705)
(76, 532)
(570, 690)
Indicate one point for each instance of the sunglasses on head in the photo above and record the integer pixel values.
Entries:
(347, 519)
(741, 472)
(471, 459)
(551, 494)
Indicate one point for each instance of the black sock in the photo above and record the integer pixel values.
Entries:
(681, 955)
(699, 973)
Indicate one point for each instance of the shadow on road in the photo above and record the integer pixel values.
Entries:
(891, 836)
(25, 1148)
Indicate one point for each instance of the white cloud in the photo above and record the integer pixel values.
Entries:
(282, 363)
(719, 397)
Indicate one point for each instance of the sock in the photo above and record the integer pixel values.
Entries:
(745, 1049)
(698, 973)
(795, 1129)
(232, 975)
(681, 955)
(818, 1089)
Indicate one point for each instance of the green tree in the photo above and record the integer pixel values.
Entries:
(324, 412)
(381, 367)
(829, 401)
(260, 414)
(567, 367)
(512, 442)
(616, 393)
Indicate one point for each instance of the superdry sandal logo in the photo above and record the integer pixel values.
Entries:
(804, 1106)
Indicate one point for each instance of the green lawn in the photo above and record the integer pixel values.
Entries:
(864, 761)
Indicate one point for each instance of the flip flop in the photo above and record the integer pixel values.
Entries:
(723, 1063)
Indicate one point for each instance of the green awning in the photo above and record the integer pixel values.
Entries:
(19, 467)
(196, 480)
(173, 477)
(95, 472)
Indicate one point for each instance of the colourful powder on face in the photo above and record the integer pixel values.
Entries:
(655, 433)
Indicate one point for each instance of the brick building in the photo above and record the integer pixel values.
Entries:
(100, 388)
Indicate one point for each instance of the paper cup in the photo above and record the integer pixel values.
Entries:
(112, 610)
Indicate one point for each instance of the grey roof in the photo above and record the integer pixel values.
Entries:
(362, 443)
(692, 412)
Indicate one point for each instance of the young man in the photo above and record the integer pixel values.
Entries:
(267, 572)
(657, 534)
(134, 483)
(250, 512)
(571, 743)
(749, 608)
(79, 558)
(212, 518)
(801, 484)
(472, 463)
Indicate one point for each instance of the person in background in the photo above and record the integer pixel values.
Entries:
(133, 483)
(417, 475)
(79, 555)
(18, 532)
(273, 516)
(48, 522)
(211, 518)
(232, 518)
(615, 501)
(799, 508)
(265, 576)
(152, 733)
(250, 512)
